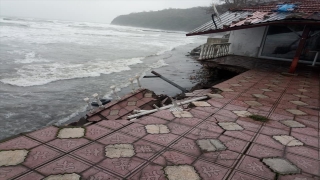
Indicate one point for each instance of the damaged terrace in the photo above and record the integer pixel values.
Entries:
(260, 124)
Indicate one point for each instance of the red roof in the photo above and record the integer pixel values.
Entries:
(304, 6)
(306, 12)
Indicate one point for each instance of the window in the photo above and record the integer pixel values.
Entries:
(282, 42)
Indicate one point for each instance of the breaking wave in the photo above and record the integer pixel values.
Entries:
(40, 74)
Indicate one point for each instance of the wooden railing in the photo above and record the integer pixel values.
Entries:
(209, 51)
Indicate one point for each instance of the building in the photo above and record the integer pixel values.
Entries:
(286, 31)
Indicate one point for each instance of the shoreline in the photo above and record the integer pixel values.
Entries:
(180, 68)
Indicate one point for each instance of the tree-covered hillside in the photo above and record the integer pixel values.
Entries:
(168, 19)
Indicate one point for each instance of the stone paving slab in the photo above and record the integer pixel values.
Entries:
(214, 139)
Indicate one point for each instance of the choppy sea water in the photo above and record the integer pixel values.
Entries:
(47, 67)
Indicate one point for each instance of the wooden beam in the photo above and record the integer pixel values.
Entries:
(299, 50)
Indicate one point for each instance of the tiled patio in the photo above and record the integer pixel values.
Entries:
(212, 140)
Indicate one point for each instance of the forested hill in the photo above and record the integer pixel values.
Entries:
(168, 19)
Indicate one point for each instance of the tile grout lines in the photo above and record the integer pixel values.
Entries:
(170, 144)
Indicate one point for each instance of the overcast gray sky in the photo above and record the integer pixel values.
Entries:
(88, 10)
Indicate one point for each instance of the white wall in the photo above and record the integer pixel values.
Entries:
(246, 42)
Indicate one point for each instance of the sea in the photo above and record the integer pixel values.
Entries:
(47, 67)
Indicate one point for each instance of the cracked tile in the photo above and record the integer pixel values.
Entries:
(296, 112)
(65, 133)
(242, 113)
(119, 150)
(12, 158)
(293, 124)
(230, 126)
(288, 140)
(211, 145)
(281, 166)
(157, 129)
(299, 103)
(181, 172)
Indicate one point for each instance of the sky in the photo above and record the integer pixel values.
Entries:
(103, 11)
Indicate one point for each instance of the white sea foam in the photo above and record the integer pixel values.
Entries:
(158, 64)
(40, 74)
(31, 58)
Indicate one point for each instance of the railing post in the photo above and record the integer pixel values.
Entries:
(201, 52)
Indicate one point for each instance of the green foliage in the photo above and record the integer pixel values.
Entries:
(168, 19)
(259, 118)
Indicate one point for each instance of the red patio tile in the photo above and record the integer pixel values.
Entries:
(260, 151)
(199, 114)
(30, 176)
(162, 139)
(209, 110)
(277, 124)
(273, 131)
(244, 135)
(92, 153)
(221, 118)
(65, 164)
(188, 146)
(231, 107)
(237, 175)
(20, 142)
(304, 151)
(255, 166)
(67, 145)
(307, 131)
(215, 103)
(209, 171)
(117, 138)
(233, 144)
(135, 129)
(187, 121)
(11, 172)
(226, 158)
(171, 157)
(164, 114)
(227, 113)
(268, 141)
(95, 173)
(307, 165)
(279, 117)
(201, 134)
(146, 150)
(310, 118)
(94, 132)
(151, 120)
(307, 140)
(150, 172)
(121, 166)
(249, 124)
(40, 155)
(117, 124)
(45, 134)
(298, 177)
(311, 124)
(95, 118)
(178, 129)
(210, 126)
